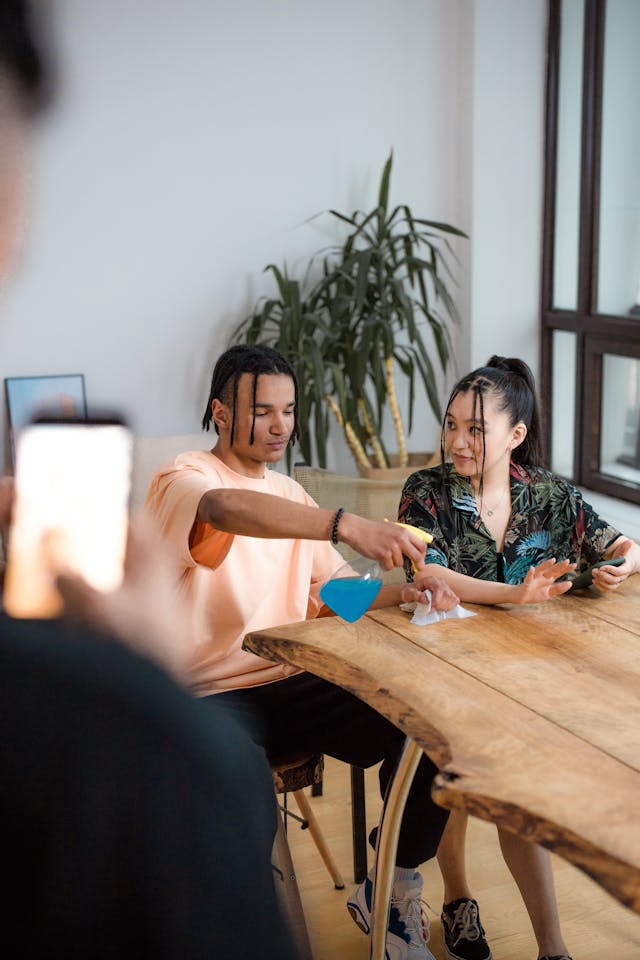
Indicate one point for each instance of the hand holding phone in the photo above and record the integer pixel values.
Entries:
(585, 579)
(72, 488)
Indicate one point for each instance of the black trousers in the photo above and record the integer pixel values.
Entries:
(305, 713)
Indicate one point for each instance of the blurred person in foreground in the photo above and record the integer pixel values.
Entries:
(133, 822)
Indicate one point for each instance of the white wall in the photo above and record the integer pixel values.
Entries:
(189, 142)
(506, 225)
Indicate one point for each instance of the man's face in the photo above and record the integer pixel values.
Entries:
(274, 417)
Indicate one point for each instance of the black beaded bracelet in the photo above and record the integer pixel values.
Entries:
(334, 529)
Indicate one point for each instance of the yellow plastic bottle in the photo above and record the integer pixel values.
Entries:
(422, 534)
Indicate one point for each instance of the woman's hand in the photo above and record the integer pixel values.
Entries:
(442, 596)
(541, 584)
(610, 578)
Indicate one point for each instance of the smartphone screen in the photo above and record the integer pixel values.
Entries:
(72, 487)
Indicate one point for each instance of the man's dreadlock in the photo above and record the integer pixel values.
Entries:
(242, 358)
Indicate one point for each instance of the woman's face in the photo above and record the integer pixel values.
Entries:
(470, 434)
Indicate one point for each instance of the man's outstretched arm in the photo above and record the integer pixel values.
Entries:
(251, 514)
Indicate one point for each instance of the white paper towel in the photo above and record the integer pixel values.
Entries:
(423, 614)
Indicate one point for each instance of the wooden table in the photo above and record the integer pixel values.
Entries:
(532, 714)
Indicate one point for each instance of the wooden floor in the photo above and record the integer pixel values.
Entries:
(595, 926)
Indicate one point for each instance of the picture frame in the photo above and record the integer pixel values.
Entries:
(60, 395)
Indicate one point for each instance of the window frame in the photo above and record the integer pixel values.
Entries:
(594, 331)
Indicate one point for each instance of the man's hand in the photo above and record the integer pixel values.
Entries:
(442, 596)
(387, 543)
(6, 500)
(540, 582)
(7, 494)
(145, 612)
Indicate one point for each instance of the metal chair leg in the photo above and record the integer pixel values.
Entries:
(358, 824)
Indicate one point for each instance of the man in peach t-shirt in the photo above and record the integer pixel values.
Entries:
(253, 550)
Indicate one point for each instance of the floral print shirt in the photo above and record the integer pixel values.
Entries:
(548, 519)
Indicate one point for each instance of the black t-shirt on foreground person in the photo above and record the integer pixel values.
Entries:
(133, 821)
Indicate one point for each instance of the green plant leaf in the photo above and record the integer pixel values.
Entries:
(441, 227)
(342, 216)
(383, 193)
(384, 291)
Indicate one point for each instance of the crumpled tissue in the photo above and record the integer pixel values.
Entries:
(423, 614)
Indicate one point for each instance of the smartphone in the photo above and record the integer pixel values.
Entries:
(585, 579)
(71, 510)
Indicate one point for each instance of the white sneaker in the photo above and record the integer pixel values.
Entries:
(408, 932)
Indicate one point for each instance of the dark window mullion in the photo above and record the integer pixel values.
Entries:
(586, 440)
(549, 213)
(590, 153)
(550, 154)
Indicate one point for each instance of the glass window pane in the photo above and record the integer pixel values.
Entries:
(619, 241)
(563, 402)
(620, 433)
(567, 225)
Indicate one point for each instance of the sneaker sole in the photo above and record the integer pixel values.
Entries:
(456, 956)
(357, 917)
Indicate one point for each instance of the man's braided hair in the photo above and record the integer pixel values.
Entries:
(255, 359)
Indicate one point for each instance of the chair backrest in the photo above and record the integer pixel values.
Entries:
(150, 453)
(373, 499)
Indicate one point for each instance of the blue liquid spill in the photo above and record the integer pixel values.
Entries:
(350, 597)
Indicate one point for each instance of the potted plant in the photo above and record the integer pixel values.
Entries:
(381, 309)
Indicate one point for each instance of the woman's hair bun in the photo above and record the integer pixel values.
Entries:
(500, 363)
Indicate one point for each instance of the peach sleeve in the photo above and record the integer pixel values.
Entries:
(172, 500)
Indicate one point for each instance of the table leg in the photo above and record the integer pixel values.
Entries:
(387, 844)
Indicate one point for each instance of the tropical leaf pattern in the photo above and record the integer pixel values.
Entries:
(549, 518)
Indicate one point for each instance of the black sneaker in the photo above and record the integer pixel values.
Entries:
(463, 933)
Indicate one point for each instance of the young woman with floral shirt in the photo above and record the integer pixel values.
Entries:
(505, 530)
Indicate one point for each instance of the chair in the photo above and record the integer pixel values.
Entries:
(292, 775)
(150, 453)
(376, 500)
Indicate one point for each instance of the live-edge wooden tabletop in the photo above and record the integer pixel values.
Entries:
(532, 713)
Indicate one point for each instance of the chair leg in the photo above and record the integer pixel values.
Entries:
(320, 842)
(288, 892)
(358, 824)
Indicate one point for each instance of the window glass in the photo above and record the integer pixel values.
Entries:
(619, 235)
(567, 224)
(620, 434)
(563, 403)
